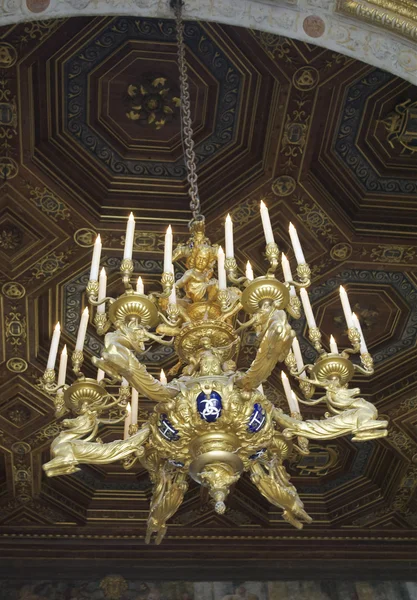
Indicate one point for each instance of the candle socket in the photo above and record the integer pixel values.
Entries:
(47, 381)
(291, 362)
(368, 362)
(173, 312)
(272, 254)
(101, 323)
(92, 289)
(294, 307)
(126, 270)
(77, 359)
(354, 338)
(167, 281)
(307, 388)
(304, 274)
(230, 265)
(124, 394)
(314, 335)
(59, 404)
(223, 297)
(133, 428)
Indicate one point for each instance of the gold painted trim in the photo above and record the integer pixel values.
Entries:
(399, 17)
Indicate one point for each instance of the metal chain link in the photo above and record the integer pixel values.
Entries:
(186, 123)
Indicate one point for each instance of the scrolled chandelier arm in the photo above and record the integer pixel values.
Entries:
(211, 421)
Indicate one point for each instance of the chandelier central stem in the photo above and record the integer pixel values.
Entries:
(186, 123)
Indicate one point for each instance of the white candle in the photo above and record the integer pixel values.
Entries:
(62, 373)
(298, 357)
(95, 263)
(228, 232)
(307, 308)
(260, 388)
(100, 374)
(249, 272)
(286, 269)
(221, 271)
(130, 234)
(296, 245)
(125, 382)
(163, 377)
(135, 406)
(140, 288)
(346, 306)
(102, 286)
(53, 351)
(128, 421)
(333, 346)
(266, 224)
(294, 408)
(287, 387)
(356, 323)
(168, 251)
(82, 329)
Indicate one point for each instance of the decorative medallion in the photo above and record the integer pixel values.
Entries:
(295, 134)
(393, 254)
(8, 168)
(167, 430)
(151, 101)
(13, 290)
(257, 418)
(306, 78)
(8, 112)
(317, 463)
(341, 251)
(8, 55)
(209, 406)
(314, 26)
(17, 365)
(37, 6)
(283, 185)
(402, 126)
(85, 237)
(18, 415)
(49, 203)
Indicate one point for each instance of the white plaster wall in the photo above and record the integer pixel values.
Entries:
(283, 17)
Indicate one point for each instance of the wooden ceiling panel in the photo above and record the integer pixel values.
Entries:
(89, 129)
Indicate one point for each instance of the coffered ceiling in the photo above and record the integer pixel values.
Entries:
(89, 130)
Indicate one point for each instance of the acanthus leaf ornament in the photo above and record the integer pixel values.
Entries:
(211, 421)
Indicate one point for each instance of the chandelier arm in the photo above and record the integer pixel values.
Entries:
(186, 122)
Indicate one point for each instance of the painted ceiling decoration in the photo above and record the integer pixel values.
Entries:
(327, 141)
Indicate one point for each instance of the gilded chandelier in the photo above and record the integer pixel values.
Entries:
(211, 421)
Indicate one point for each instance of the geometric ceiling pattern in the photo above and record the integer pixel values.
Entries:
(89, 130)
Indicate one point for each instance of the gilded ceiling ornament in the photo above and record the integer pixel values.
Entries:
(341, 251)
(17, 365)
(49, 203)
(114, 587)
(13, 290)
(8, 55)
(48, 266)
(318, 462)
(151, 101)
(18, 415)
(8, 168)
(283, 185)
(306, 78)
(402, 126)
(389, 253)
(295, 133)
(316, 219)
(276, 46)
(15, 328)
(10, 238)
(85, 237)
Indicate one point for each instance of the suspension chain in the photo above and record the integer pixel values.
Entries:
(186, 123)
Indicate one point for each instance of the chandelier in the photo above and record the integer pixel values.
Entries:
(211, 421)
